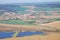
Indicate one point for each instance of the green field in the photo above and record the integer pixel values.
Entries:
(45, 9)
(57, 19)
(12, 22)
(16, 22)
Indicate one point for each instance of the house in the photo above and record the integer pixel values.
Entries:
(43, 20)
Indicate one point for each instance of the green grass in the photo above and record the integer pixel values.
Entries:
(19, 22)
(57, 19)
(13, 22)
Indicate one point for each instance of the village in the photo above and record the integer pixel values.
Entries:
(38, 16)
